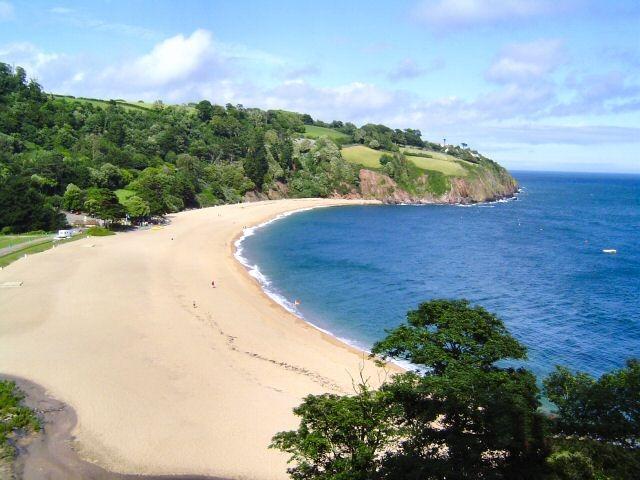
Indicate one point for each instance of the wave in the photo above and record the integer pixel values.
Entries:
(267, 285)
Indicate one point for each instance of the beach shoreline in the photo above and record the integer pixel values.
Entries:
(129, 333)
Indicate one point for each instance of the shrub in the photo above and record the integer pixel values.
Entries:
(99, 232)
(13, 415)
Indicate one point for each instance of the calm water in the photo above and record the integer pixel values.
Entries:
(537, 262)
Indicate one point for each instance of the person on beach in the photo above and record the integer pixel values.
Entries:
(213, 284)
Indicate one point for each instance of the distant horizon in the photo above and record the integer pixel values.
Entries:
(576, 172)
(532, 84)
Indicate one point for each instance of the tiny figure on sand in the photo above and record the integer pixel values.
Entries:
(213, 284)
(194, 304)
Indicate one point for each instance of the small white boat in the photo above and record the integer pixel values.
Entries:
(609, 250)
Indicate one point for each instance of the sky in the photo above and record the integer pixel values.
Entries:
(534, 84)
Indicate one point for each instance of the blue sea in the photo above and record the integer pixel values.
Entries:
(537, 262)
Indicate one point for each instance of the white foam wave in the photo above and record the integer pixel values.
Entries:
(288, 305)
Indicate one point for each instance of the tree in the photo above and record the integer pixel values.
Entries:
(24, 208)
(205, 110)
(256, 163)
(339, 437)
(607, 408)
(103, 203)
(460, 416)
(484, 416)
(136, 208)
(74, 198)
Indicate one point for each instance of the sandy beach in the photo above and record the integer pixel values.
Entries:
(108, 326)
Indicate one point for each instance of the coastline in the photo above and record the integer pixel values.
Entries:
(107, 326)
(255, 275)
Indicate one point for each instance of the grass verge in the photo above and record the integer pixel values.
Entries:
(30, 250)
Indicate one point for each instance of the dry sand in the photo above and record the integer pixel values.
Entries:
(107, 325)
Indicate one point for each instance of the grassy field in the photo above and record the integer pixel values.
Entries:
(123, 103)
(11, 240)
(370, 158)
(435, 155)
(447, 167)
(365, 156)
(40, 247)
(311, 131)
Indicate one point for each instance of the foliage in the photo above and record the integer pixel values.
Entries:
(323, 171)
(574, 458)
(136, 208)
(23, 207)
(103, 203)
(171, 157)
(607, 408)
(437, 182)
(483, 415)
(99, 232)
(74, 198)
(568, 465)
(461, 416)
(339, 437)
(13, 415)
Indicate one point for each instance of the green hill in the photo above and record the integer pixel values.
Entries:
(313, 131)
(425, 160)
(111, 158)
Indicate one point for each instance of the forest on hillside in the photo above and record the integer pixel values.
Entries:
(112, 159)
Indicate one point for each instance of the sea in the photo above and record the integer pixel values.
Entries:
(536, 261)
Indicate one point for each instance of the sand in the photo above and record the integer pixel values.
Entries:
(107, 325)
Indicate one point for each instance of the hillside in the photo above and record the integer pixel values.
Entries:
(117, 158)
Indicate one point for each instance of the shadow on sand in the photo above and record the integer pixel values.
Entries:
(49, 454)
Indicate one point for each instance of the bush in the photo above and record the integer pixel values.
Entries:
(99, 232)
(13, 416)
(571, 465)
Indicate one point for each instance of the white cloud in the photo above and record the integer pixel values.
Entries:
(444, 14)
(525, 62)
(32, 59)
(6, 11)
(174, 59)
(196, 66)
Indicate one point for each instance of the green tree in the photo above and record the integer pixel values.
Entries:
(136, 208)
(458, 416)
(339, 437)
(256, 164)
(607, 408)
(205, 110)
(103, 203)
(466, 416)
(74, 198)
(24, 208)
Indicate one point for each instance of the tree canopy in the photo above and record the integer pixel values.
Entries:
(464, 413)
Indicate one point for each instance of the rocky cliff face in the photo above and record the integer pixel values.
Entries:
(485, 185)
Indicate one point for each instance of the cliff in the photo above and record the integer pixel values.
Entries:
(486, 184)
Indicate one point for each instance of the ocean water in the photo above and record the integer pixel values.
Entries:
(537, 262)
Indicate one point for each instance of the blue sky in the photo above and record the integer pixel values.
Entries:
(544, 85)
